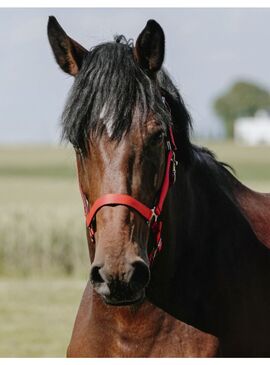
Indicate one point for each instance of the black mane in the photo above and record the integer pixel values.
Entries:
(107, 90)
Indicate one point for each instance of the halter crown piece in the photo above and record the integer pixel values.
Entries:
(151, 215)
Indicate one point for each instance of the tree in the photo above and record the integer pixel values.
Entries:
(242, 99)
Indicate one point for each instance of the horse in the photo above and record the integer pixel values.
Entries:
(179, 248)
(116, 119)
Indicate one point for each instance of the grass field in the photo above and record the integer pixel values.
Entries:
(43, 252)
(37, 316)
(42, 222)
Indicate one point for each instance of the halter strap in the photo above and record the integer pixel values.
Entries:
(118, 199)
(150, 215)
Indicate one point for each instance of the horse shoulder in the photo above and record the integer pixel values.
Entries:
(256, 208)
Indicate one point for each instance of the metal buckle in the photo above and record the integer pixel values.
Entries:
(169, 146)
(154, 217)
(174, 165)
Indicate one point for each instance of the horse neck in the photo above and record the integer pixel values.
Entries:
(204, 236)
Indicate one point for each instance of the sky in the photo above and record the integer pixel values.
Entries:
(207, 50)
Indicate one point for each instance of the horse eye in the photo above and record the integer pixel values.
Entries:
(157, 137)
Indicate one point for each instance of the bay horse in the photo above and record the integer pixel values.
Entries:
(180, 260)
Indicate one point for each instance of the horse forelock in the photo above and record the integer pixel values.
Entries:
(108, 90)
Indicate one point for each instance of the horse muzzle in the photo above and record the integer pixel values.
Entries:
(125, 288)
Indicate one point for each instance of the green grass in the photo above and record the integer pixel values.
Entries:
(37, 316)
(41, 217)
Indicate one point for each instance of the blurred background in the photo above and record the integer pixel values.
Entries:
(218, 58)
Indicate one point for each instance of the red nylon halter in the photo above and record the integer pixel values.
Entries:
(150, 215)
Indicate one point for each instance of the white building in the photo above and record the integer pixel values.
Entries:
(253, 130)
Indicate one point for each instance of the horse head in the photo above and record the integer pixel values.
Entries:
(118, 122)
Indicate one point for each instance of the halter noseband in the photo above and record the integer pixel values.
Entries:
(151, 215)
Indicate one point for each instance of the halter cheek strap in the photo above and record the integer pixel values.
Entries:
(151, 216)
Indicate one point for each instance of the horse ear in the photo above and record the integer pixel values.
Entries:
(150, 45)
(68, 53)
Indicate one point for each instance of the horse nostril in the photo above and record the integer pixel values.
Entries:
(95, 276)
(140, 276)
